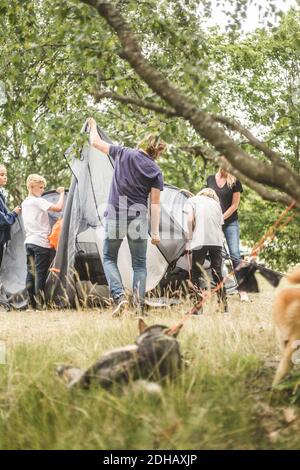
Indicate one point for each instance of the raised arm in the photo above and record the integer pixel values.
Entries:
(95, 139)
(155, 215)
(60, 203)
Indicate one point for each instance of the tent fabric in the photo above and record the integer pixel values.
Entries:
(175, 279)
(80, 251)
(13, 267)
(78, 262)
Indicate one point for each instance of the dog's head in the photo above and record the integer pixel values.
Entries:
(158, 350)
(156, 330)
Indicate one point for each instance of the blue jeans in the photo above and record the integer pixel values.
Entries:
(232, 235)
(137, 234)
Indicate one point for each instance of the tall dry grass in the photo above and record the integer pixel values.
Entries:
(221, 400)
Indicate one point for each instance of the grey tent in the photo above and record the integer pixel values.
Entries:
(13, 292)
(80, 252)
(13, 270)
(78, 261)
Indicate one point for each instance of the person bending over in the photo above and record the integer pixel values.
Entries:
(205, 237)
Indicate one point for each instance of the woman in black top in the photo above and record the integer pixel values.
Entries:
(229, 190)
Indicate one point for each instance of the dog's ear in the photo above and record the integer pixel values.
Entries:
(142, 326)
(174, 331)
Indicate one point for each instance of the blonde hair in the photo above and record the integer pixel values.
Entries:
(152, 144)
(35, 179)
(230, 179)
(2, 166)
(208, 192)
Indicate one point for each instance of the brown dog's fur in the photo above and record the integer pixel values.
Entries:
(286, 315)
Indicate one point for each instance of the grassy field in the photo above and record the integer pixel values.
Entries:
(221, 400)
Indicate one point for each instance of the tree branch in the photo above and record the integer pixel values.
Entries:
(258, 144)
(277, 176)
(265, 193)
(134, 101)
(208, 154)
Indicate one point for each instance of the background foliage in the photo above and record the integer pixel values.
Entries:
(56, 55)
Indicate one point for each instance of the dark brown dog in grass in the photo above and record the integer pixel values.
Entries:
(154, 356)
(286, 315)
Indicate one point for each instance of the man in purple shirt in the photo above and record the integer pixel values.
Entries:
(136, 175)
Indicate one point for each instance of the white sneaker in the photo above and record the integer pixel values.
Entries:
(244, 297)
(121, 304)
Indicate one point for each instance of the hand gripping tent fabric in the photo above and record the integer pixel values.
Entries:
(80, 252)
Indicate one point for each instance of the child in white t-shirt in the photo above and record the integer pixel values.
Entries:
(205, 235)
(37, 229)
